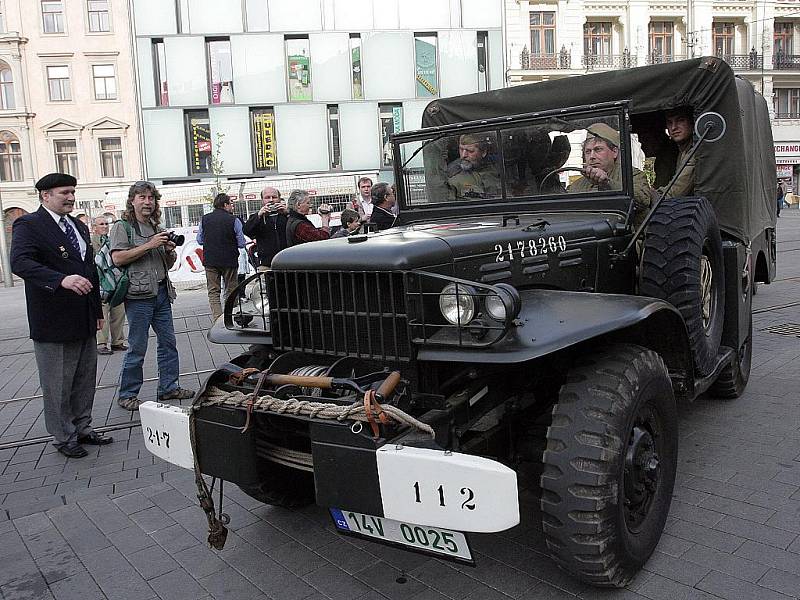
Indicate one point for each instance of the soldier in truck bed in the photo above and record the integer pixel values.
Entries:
(601, 169)
(471, 175)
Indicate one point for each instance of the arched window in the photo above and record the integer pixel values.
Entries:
(6, 87)
(10, 157)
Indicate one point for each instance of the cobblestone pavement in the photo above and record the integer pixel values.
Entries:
(120, 524)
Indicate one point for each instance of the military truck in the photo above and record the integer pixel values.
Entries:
(515, 322)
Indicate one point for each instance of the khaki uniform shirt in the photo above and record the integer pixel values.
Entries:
(483, 182)
(642, 193)
(684, 185)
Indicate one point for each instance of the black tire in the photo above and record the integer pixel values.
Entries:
(604, 501)
(682, 246)
(733, 378)
(283, 486)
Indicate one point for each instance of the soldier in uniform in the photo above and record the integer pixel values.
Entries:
(601, 169)
(680, 126)
(472, 175)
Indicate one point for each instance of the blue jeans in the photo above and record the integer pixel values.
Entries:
(143, 314)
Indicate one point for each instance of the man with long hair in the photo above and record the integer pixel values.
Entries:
(138, 242)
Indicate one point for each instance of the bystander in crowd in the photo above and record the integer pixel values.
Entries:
(268, 227)
(299, 229)
(112, 336)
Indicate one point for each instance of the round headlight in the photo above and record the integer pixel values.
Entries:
(457, 304)
(495, 307)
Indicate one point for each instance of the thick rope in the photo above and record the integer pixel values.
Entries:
(316, 410)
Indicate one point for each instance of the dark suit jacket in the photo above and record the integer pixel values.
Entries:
(269, 232)
(382, 218)
(38, 250)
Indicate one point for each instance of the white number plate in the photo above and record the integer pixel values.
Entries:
(442, 542)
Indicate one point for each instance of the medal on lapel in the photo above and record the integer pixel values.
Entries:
(64, 253)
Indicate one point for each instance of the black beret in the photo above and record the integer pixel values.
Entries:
(54, 180)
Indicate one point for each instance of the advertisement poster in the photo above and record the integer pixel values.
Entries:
(201, 145)
(264, 138)
(427, 82)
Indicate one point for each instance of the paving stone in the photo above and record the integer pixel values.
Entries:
(265, 573)
(768, 555)
(105, 515)
(230, 585)
(132, 503)
(177, 585)
(76, 528)
(756, 532)
(151, 562)
(59, 565)
(45, 542)
(704, 536)
(758, 484)
(788, 520)
(152, 519)
(732, 588)
(781, 581)
(345, 555)
(677, 569)
(174, 538)
(695, 514)
(39, 505)
(171, 500)
(735, 508)
(33, 587)
(296, 558)
(727, 490)
(136, 484)
(80, 586)
(336, 584)
(112, 478)
(199, 561)
(674, 546)
(723, 562)
(444, 578)
(662, 588)
(115, 576)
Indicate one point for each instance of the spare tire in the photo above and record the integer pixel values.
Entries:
(682, 264)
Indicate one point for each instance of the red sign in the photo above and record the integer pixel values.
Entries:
(204, 145)
(170, 203)
(312, 192)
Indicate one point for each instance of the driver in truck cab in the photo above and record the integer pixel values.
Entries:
(472, 175)
(601, 169)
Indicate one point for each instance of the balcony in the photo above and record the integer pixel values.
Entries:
(744, 62)
(786, 62)
(660, 59)
(608, 61)
(791, 115)
(560, 60)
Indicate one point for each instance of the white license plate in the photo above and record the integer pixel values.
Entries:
(441, 542)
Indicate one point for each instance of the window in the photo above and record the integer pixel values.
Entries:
(391, 120)
(52, 16)
(660, 41)
(105, 82)
(425, 59)
(198, 137)
(196, 212)
(99, 19)
(2, 19)
(722, 39)
(6, 87)
(160, 72)
(483, 63)
(298, 55)
(597, 39)
(787, 103)
(172, 216)
(783, 38)
(543, 33)
(262, 125)
(355, 66)
(10, 157)
(220, 70)
(111, 157)
(66, 156)
(58, 83)
(334, 143)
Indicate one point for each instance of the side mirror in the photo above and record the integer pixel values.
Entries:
(712, 124)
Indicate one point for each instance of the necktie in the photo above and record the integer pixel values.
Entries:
(71, 236)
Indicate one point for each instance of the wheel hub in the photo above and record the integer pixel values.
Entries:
(642, 469)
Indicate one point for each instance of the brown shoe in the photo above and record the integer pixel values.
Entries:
(132, 403)
(178, 393)
(119, 347)
(103, 350)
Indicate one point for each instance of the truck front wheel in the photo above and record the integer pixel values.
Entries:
(610, 464)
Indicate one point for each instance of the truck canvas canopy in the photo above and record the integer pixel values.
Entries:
(738, 177)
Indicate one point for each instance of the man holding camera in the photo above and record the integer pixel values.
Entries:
(268, 227)
(221, 236)
(148, 251)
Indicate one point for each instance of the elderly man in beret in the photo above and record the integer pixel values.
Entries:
(472, 174)
(52, 252)
(601, 169)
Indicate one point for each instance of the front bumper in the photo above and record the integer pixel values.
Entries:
(352, 472)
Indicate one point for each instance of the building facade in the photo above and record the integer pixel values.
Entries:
(67, 99)
(758, 38)
(259, 88)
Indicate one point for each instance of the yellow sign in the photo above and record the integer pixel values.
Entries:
(264, 141)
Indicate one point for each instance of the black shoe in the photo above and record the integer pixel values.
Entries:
(73, 450)
(95, 439)
(119, 347)
(103, 350)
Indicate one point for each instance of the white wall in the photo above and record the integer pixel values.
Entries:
(165, 143)
(458, 62)
(234, 123)
(353, 15)
(482, 14)
(259, 68)
(144, 56)
(295, 15)
(219, 16)
(359, 135)
(388, 64)
(186, 71)
(424, 15)
(257, 15)
(386, 14)
(497, 76)
(154, 17)
(330, 66)
(301, 133)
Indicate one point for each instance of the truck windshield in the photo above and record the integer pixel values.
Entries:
(534, 158)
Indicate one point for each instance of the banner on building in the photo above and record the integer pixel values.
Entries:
(264, 138)
(427, 81)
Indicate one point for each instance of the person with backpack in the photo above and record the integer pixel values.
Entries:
(138, 243)
(112, 336)
(53, 253)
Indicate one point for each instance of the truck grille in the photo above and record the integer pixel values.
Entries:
(360, 314)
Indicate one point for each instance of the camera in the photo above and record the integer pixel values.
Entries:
(175, 238)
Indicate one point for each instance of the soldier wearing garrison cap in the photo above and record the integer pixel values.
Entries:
(52, 252)
(472, 175)
(601, 169)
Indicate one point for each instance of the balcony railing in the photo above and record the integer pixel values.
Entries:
(746, 62)
(608, 61)
(786, 62)
(661, 59)
(560, 60)
(792, 115)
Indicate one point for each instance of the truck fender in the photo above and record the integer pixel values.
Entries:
(553, 320)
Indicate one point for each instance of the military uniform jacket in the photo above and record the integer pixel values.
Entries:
(642, 195)
(42, 255)
(483, 182)
(684, 184)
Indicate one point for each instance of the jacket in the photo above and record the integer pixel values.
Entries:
(269, 232)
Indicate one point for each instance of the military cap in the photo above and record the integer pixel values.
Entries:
(604, 132)
(54, 180)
